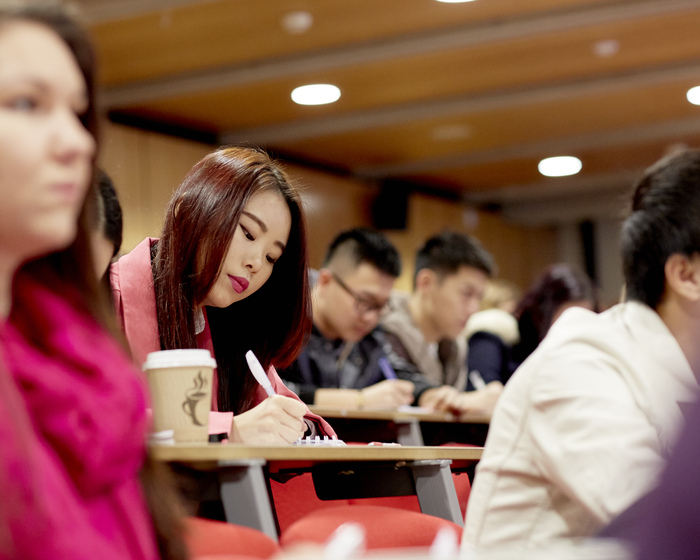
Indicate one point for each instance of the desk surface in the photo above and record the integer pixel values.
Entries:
(398, 415)
(214, 452)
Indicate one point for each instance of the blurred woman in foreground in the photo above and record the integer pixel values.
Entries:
(72, 408)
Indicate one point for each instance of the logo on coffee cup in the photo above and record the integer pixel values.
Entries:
(193, 396)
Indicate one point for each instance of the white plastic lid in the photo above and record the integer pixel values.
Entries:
(179, 358)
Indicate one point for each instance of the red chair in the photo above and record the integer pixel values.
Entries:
(206, 539)
(296, 498)
(385, 527)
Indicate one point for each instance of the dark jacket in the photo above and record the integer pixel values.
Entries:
(317, 366)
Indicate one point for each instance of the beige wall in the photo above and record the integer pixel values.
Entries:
(147, 167)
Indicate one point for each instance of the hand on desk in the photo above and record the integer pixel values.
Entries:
(443, 398)
(481, 402)
(390, 393)
(274, 421)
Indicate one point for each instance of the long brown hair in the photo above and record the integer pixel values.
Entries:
(200, 221)
(73, 267)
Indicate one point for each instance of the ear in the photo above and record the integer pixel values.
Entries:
(324, 277)
(683, 275)
(425, 279)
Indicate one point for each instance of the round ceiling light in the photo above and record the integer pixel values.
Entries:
(316, 94)
(297, 22)
(560, 166)
(606, 48)
(693, 95)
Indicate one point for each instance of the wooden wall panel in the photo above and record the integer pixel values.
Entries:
(169, 160)
(332, 204)
(520, 252)
(121, 156)
(147, 167)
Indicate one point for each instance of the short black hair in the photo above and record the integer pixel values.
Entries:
(447, 252)
(664, 220)
(109, 217)
(366, 245)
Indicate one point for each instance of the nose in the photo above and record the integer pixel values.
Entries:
(253, 262)
(73, 141)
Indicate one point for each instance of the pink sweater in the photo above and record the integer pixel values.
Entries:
(72, 433)
(135, 301)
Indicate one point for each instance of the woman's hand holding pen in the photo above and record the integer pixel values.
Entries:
(388, 394)
(276, 420)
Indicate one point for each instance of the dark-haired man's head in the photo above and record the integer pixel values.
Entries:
(450, 278)
(106, 237)
(354, 284)
(662, 233)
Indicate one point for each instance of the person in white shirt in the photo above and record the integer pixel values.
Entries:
(583, 427)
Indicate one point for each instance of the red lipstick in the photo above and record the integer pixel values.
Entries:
(238, 283)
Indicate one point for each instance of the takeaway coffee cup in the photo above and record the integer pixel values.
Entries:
(180, 382)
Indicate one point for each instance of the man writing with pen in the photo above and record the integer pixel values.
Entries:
(347, 362)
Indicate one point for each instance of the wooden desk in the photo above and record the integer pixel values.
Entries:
(238, 475)
(405, 427)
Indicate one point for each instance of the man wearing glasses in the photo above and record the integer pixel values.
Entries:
(347, 363)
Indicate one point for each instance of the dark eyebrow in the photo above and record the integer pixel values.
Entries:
(263, 226)
(82, 101)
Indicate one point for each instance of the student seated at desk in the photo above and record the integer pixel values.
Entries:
(229, 274)
(341, 364)
(72, 407)
(425, 328)
(583, 426)
(498, 342)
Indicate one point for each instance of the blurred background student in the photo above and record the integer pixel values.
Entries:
(106, 234)
(425, 328)
(229, 274)
(499, 342)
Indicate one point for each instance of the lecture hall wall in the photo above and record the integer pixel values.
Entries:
(146, 167)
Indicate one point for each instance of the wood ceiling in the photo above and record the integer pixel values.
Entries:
(463, 99)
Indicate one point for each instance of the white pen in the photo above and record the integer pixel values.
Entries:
(259, 373)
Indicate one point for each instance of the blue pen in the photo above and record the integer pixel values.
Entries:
(386, 368)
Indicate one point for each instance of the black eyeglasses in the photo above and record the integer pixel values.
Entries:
(362, 304)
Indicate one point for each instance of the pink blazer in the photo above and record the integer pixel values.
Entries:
(135, 302)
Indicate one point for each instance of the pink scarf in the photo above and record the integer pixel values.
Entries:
(72, 425)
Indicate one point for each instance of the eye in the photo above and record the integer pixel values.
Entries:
(247, 234)
(25, 103)
(271, 260)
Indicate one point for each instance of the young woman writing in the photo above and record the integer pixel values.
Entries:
(229, 273)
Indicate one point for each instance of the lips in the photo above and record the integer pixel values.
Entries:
(66, 192)
(238, 283)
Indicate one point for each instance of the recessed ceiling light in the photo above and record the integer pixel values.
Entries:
(316, 94)
(449, 132)
(606, 48)
(297, 22)
(559, 166)
(693, 95)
